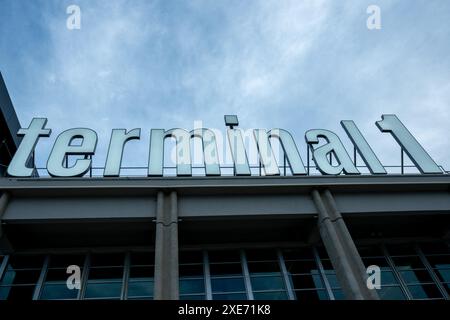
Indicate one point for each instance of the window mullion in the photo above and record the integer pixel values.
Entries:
(285, 274)
(39, 284)
(3, 266)
(322, 273)
(246, 273)
(126, 276)
(207, 274)
(391, 264)
(84, 276)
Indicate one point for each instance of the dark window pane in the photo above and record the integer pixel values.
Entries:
(278, 295)
(309, 281)
(307, 266)
(332, 280)
(63, 261)
(140, 298)
(58, 291)
(261, 254)
(140, 288)
(440, 262)
(416, 276)
(269, 268)
(58, 275)
(142, 258)
(190, 257)
(107, 259)
(311, 295)
(380, 262)
(19, 293)
(391, 293)
(370, 251)
(443, 274)
(191, 270)
(230, 296)
(20, 277)
(228, 269)
(227, 284)
(267, 283)
(401, 250)
(142, 272)
(424, 291)
(103, 290)
(407, 263)
(192, 297)
(327, 266)
(224, 256)
(192, 286)
(115, 273)
(25, 262)
(300, 253)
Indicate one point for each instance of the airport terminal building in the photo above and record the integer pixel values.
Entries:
(287, 235)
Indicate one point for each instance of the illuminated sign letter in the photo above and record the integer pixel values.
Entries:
(390, 123)
(18, 166)
(364, 149)
(333, 146)
(115, 152)
(63, 148)
(241, 166)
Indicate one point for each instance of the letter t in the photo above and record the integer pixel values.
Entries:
(18, 166)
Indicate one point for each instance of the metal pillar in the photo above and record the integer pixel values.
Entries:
(344, 256)
(4, 200)
(166, 247)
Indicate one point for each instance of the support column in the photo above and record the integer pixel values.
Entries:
(166, 247)
(4, 200)
(341, 249)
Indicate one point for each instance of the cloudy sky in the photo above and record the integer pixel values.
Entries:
(296, 65)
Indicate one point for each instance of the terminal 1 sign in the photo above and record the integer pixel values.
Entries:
(321, 142)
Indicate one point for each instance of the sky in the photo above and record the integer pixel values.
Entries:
(296, 65)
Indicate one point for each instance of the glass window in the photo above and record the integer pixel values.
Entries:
(311, 295)
(391, 293)
(224, 256)
(307, 281)
(19, 293)
(261, 255)
(267, 283)
(276, 295)
(227, 284)
(57, 291)
(192, 286)
(140, 289)
(225, 269)
(416, 276)
(298, 253)
(301, 267)
(229, 296)
(103, 290)
(424, 291)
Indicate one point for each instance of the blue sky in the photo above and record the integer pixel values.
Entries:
(296, 65)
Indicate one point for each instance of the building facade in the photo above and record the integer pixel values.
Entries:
(284, 237)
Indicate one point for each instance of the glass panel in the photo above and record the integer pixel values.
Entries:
(113, 273)
(107, 259)
(267, 283)
(388, 277)
(65, 260)
(140, 288)
(227, 284)
(261, 255)
(278, 295)
(230, 296)
(327, 266)
(435, 248)
(307, 281)
(338, 294)
(224, 256)
(25, 262)
(103, 290)
(332, 280)
(226, 269)
(192, 297)
(307, 266)
(20, 277)
(424, 291)
(311, 295)
(19, 293)
(416, 276)
(190, 257)
(300, 253)
(58, 275)
(57, 291)
(192, 286)
(407, 263)
(142, 258)
(443, 274)
(191, 270)
(142, 272)
(268, 268)
(440, 262)
(391, 293)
